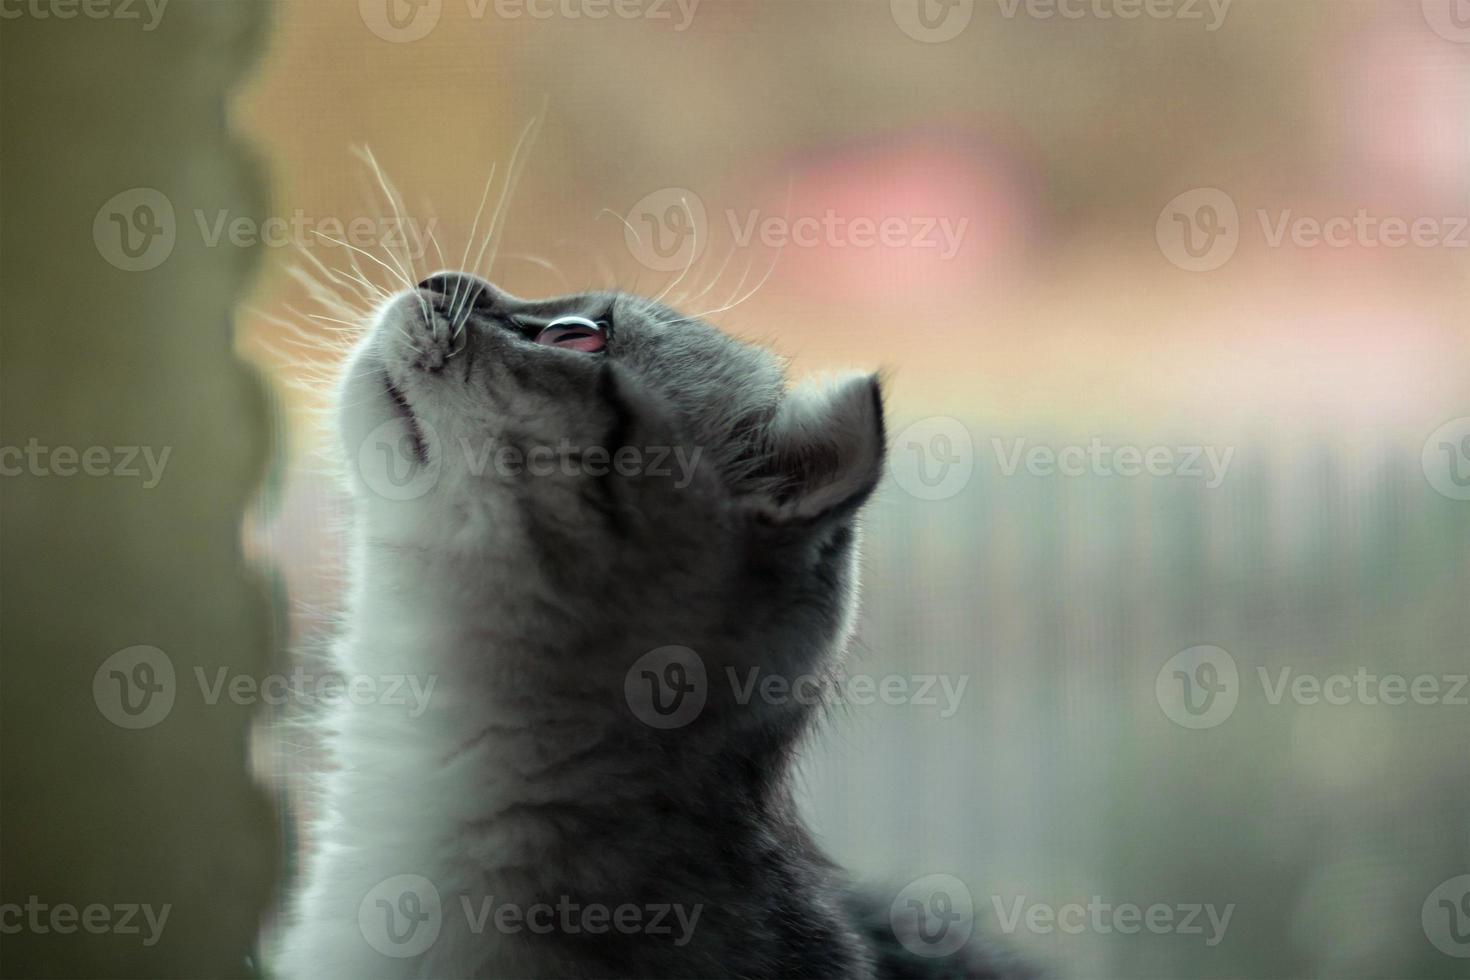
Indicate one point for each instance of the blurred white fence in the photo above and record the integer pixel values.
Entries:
(1061, 779)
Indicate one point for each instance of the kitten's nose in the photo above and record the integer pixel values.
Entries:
(460, 288)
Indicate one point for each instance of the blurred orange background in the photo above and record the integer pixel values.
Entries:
(1058, 141)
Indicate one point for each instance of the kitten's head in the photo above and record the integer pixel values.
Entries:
(600, 476)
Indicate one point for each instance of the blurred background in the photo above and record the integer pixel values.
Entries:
(1080, 230)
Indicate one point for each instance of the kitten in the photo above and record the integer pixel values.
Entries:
(610, 510)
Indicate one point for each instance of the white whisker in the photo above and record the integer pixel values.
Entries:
(469, 243)
(389, 269)
(693, 250)
(389, 192)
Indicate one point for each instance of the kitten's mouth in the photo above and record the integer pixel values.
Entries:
(405, 411)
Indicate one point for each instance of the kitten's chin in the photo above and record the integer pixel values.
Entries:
(366, 400)
(388, 448)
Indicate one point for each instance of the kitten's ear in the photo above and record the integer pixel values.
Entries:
(824, 450)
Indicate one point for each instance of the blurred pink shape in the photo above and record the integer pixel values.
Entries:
(880, 219)
(1405, 108)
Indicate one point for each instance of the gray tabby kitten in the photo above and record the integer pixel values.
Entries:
(617, 505)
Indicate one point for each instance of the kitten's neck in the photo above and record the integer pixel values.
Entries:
(536, 805)
(520, 746)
